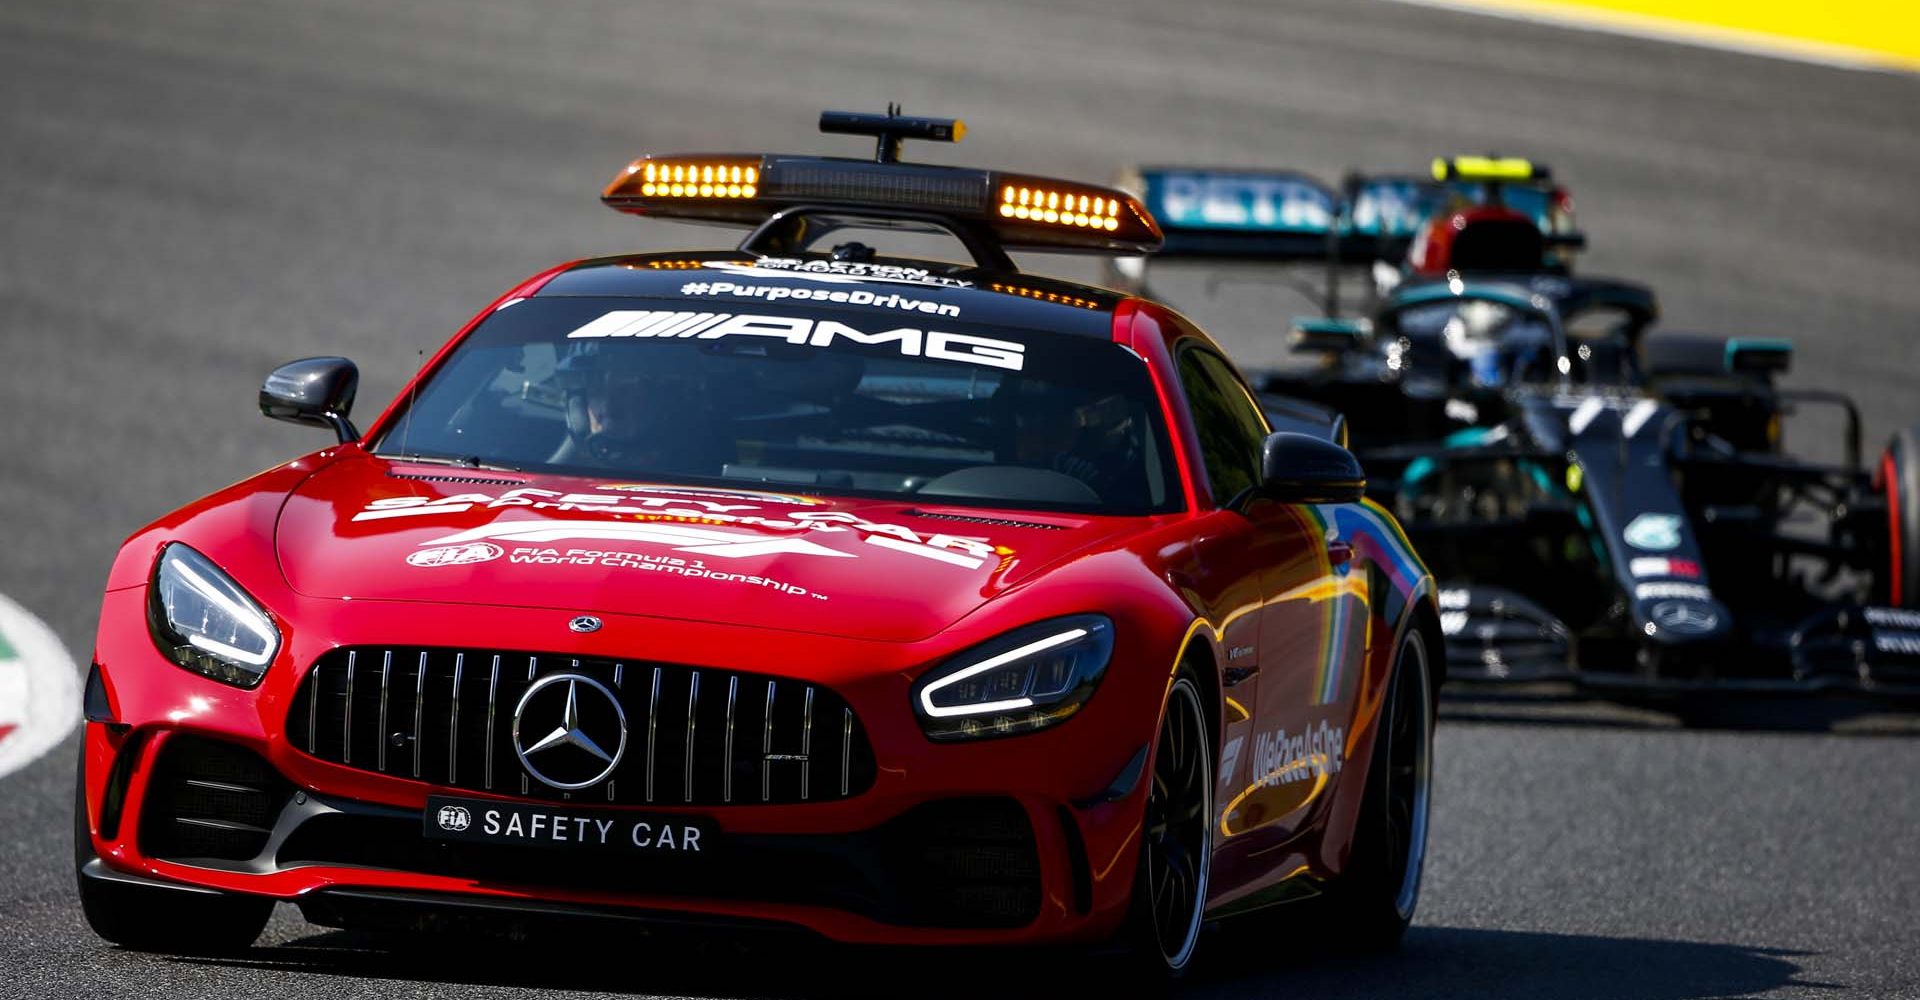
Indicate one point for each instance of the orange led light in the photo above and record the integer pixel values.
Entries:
(1062, 208)
(1031, 293)
(691, 178)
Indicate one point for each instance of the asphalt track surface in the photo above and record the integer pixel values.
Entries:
(192, 192)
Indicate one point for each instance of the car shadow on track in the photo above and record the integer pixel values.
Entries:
(1433, 962)
(1507, 965)
(1566, 708)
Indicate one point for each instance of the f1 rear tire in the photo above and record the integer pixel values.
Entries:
(181, 921)
(1898, 479)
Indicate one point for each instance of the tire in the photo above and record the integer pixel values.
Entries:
(1898, 479)
(1372, 903)
(1170, 885)
(154, 918)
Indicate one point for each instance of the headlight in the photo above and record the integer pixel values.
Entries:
(1028, 679)
(203, 621)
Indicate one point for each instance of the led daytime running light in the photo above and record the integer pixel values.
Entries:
(246, 617)
(992, 662)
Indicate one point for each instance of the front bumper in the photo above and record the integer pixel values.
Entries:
(995, 842)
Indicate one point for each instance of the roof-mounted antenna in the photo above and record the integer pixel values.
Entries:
(891, 129)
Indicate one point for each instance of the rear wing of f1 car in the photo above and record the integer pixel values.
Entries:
(1286, 216)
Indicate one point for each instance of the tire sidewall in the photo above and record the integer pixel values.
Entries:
(1902, 489)
(1141, 939)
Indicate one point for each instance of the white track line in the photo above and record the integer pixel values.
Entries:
(1660, 29)
(39, 688)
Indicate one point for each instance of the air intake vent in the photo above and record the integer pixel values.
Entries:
(998, 522)
(693, 736)
(435, 477)
(209, 799)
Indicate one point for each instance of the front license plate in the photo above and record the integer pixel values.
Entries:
(488, 821)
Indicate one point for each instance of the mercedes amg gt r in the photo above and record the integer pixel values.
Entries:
(896, 601)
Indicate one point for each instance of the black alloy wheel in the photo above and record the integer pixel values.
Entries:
(1178, 845)
(1409, 778)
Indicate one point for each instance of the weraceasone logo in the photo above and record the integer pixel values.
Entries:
(1282, 758)
(938, 345)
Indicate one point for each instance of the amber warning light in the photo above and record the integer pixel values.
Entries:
(1016, 211)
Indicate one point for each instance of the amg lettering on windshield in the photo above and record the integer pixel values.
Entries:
(799, 331)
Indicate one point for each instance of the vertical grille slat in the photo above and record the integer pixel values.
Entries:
(653, 724)
(313, 711)
(380, 731)
(493, 703)
(453, 721)
(733, 696)
(419, 708)
(340, 714)
(693, 711)
(766, 748)
(806, 743)
(346, 715)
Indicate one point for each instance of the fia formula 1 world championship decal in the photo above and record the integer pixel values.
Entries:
(39, 688)
(657, 520)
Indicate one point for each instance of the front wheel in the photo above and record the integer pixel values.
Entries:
(1170, 885)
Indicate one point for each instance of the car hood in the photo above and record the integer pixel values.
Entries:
(364, 528)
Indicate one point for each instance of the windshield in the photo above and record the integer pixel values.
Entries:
(864, 402)
(1482, 341)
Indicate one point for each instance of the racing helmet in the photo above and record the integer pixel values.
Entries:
(1498, 343)
(1477, 239)
(623, 398)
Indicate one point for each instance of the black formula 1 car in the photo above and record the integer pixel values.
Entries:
(1599, 504)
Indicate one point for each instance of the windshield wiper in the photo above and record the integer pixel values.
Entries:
(464, 462)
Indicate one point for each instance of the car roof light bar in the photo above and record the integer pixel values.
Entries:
(1007, 210)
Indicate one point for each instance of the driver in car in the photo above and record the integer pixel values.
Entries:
(642, 410)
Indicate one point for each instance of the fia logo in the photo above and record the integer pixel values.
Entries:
(454, 818)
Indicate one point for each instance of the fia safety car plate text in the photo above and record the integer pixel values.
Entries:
(487, 821)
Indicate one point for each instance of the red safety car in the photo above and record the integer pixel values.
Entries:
(893, 600)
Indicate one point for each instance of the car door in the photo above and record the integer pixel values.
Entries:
(1234, 559)
(1312, 635)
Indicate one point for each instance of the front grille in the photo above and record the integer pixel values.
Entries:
(951, 863)
(694, 736)
(209, 799)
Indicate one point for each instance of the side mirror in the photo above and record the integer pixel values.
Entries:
(317, 392)
(1328, 334)
(1301, 468)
